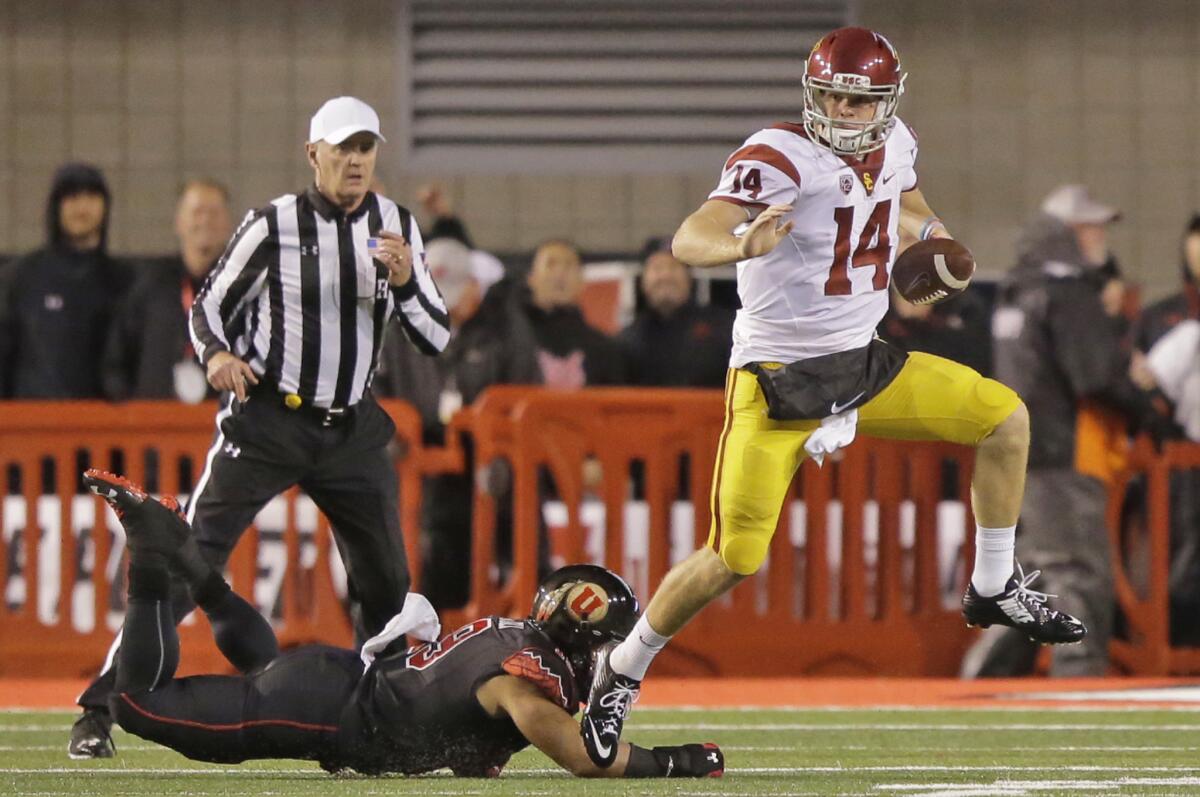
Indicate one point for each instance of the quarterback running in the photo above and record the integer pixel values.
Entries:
(466, 702)
(812, 213)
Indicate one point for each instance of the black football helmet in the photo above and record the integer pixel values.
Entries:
(580, 607)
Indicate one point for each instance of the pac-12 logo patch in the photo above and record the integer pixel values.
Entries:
(587, 602)
(845, 182)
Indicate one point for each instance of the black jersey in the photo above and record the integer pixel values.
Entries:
(416, 711)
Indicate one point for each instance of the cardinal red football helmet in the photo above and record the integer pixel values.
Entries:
(853, 61)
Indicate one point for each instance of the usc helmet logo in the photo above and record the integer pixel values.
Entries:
(587, 602)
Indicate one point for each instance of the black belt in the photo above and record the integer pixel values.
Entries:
(326, 416)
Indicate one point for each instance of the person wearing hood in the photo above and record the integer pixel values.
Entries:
(57, 303)
(1057, 342)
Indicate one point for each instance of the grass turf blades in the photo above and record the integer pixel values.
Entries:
(948, 753)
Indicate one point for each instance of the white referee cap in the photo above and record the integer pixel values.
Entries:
(342, 117)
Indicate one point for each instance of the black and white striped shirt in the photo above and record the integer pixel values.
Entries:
(297, 296)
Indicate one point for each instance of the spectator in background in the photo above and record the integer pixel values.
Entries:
(956, 329)
(149, 353)
(443, 222)
(1167, 365)
(532, 332)
(56, 303)
(1059, 348)
(673, 341)
(1161, 317)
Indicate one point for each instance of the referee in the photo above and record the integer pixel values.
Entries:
(290, 323)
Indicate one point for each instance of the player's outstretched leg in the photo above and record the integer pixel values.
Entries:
(158, 527)
(154, 530)
(997, 595)
(619, 668)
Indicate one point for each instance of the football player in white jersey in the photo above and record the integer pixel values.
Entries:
(812, 214)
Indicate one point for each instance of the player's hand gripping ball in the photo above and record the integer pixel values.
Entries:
(933, 270)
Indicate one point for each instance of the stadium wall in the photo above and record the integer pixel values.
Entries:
(1009, 99)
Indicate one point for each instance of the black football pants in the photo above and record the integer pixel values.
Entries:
(289, 707)
(262, 449)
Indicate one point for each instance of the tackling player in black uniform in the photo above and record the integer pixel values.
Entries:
(466, 702)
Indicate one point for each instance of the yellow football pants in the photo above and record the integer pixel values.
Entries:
(932, 398)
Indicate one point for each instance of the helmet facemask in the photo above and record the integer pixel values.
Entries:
(844, 136)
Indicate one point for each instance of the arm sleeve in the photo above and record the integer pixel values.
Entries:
(419, 305)
(755, 176)
(236, 280)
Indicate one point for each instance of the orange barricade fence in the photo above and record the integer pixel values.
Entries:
(864, 573)
(63, 593)
(1145, 539)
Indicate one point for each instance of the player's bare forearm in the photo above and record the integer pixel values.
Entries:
(917, 219)
(548, 727)
(706, 239)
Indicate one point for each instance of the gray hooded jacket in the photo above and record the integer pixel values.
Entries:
(1054, 344)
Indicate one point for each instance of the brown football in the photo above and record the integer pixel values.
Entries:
(933, 270)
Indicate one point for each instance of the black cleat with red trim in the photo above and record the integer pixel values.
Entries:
(150, 525)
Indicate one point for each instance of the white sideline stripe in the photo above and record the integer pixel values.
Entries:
(1020, 787)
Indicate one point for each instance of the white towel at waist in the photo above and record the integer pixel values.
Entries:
(417, 618)
(836, 431)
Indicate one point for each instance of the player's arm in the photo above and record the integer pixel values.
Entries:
(917, 219)
(706, 239)
(549, 728)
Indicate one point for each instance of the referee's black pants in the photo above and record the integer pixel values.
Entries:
(261, 449)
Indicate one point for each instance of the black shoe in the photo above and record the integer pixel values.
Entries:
(150, 525)
(91, 737)
(1024, 609)
(609, 701)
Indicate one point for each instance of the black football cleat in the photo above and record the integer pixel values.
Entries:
(150, 525)
(1024, 609)
(91, 736)
(609, 701)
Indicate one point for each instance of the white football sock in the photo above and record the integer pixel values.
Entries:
(632, 657)
(993, 559)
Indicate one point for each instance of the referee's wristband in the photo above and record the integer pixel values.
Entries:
(406, 291)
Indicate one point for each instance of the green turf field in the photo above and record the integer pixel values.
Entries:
(952, 753)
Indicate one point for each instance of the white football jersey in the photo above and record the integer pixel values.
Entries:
(823, 289)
